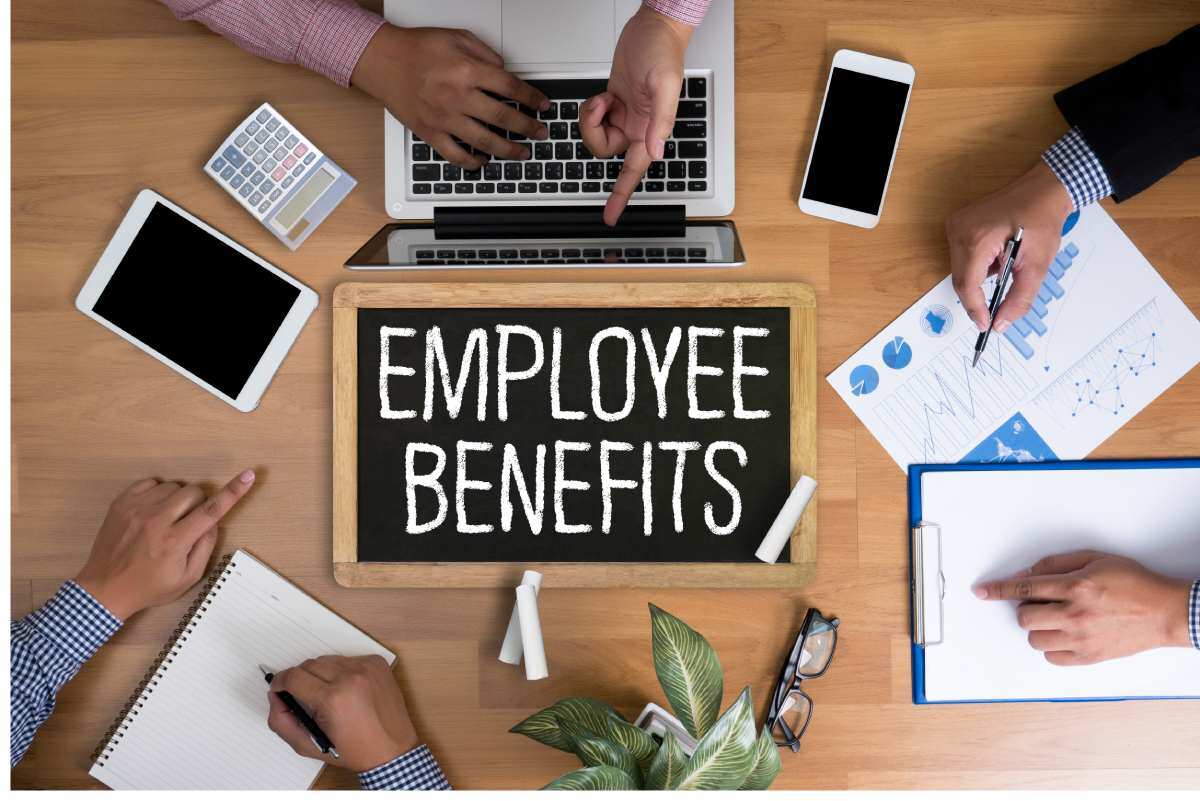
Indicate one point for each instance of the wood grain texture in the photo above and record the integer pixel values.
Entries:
(802, 390)
(112, 95)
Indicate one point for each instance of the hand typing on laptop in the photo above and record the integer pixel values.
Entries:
(437, 82)
(1085, 607)
(637, 113)
(470, 121)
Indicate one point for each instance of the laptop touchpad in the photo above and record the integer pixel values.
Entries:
(569, 31)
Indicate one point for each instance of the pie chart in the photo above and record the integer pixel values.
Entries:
(897, 353)
(863, 380)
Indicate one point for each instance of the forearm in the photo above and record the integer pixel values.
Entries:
(1142, 117)
(48, 648)
(414, 770)
(325, 36)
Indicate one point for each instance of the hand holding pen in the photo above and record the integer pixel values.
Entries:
(977, 235)
(1011, 251)
(352, 702)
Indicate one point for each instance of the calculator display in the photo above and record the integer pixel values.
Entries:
(200, 303)
(304, 198)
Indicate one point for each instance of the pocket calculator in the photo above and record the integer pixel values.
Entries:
(279, 176)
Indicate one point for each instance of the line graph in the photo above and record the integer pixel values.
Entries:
(947, 406)
(1099, 382)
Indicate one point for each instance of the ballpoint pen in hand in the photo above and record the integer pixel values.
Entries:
(320, 740)
(1006, 267)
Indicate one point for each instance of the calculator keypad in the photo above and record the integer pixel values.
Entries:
(262, 160)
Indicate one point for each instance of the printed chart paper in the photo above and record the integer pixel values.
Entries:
(1105, 337)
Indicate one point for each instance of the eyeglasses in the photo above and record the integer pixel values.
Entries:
(791, 708)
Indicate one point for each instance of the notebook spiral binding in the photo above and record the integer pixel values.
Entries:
(112, 738)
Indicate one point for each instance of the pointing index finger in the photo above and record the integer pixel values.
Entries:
(1024, 587)
(207, 514)
(637, 161)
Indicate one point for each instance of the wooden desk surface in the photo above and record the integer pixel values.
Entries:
(113, 95)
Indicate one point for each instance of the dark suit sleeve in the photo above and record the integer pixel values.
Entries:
(1141, 118)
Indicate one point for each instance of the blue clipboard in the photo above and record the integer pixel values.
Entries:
(915, 570)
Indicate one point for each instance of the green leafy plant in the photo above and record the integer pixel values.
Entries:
(618, 755)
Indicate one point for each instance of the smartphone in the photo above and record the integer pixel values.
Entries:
(858, 132)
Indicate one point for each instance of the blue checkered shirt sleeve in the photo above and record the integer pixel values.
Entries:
(49, 647)
(1194, 614)
(415, 770)
(1071, 159)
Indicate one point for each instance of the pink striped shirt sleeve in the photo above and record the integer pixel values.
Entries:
(325, 36)
(690, 11)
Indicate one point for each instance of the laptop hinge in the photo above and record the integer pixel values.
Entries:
(555, 222)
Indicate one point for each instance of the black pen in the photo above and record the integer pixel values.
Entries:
(314, 731)
(1010, 258)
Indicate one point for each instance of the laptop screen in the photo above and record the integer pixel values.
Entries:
(415, 245)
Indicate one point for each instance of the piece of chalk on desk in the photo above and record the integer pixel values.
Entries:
(780, 531)
(531, 634)
(510, 650)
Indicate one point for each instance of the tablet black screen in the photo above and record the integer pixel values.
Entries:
(195, 300)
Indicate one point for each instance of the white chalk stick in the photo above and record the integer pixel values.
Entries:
(510, 649)
(531, 634)
(785, 522)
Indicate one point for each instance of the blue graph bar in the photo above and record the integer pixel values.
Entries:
(1072, 250)
(1039, 308)
(1020, 344)
(1057, 270)
(1044, 294)
(1035, 323)
(1021, 326)
(1053, 286)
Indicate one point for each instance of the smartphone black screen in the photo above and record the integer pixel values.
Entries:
(195, 300)
(859, 126)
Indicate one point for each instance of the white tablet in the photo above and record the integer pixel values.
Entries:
(196, 300)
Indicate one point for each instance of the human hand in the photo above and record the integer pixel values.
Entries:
(155, 543)
(637, 113)
(436, 81)
(1085, 607)
(977, 233)
(356, 702)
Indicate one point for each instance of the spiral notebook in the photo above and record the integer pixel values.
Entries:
(198, 720)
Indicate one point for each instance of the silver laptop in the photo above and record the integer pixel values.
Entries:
(564, 47)
(420, 245)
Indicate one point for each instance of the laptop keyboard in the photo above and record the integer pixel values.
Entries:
(562, 166)
(558, 255)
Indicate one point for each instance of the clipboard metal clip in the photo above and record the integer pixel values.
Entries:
(928, 584)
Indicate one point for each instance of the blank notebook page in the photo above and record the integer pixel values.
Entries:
(999, 522)
(203, 725)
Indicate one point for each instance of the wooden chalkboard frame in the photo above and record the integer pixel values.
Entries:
(350, 297)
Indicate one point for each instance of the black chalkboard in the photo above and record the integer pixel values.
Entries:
(396, 442)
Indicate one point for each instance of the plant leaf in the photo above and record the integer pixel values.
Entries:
(594, 751)
(602, 777)
(724, 757)
(542, 726)
(688, 671)
(666, 769)
(635, 740)
(766, 763)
